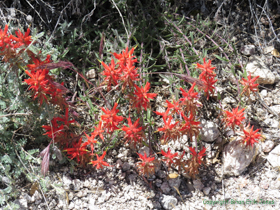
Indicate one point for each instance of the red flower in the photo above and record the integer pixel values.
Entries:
(208, 84)
(125, 56)
(4, 38)
(77, 150)
(129, 75)
(169, 157)
(145, 160)
(250, 137)
(249, 84)
(111, 73)
(142, 97)
(198, 156)
(163, 114)
(176, 106)
(234, 118)
(37, 63)
(99, 163)
(98, 131)
(133, 132)
(38, 80)
(22, 39)
(54, 130)
(207, 77)
(167, 125)
(39, 83)
(65, 119)
(110, 118)
(190, 100)
(206, 68)
(147, 166)
(57, 94)
(190, 95)
(191, 127)
(90, 141)
(168, 129)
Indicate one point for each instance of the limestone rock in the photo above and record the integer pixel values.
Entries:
(237, 156)
(257, 67)
(274, 157)
(209, 131)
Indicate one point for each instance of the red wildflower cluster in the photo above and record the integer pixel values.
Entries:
(197, 156)
(111, 119)
(42, 84)
(190, 127)
(234, 118)
(192, 165)
(40, 81)
(207, 76)
(168, 157)
(123, 72)
(77, 150)
(134, 133)
(190, 100)
(147, 165)
(99, 163)
(141, 97)
(59, 130)
(9, 43)
(250, 136)
(249, 85)
(169, 129)
(187, 104)
(189, 166)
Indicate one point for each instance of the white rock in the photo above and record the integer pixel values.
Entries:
(274, 157)
(267, 50)
(257, 67)
(206, 190)
(228, 100)
(36, 196)
(267, 145)
(271, 123)
(248, 49)
(263, 93)
(274, 193)
(276, 108)
(66, 182)
(168, 202)
(29, 18)
(77, 184)
(86, 183)
(209, 131)
(237, 156)
(91, 74)
(268, 101)
(71, 205)
(123, 154)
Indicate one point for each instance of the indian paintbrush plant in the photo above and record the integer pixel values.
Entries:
(123, 77)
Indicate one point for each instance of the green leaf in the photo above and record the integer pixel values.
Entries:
(222, 59)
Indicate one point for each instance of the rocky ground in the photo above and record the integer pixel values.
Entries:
(234, 177)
